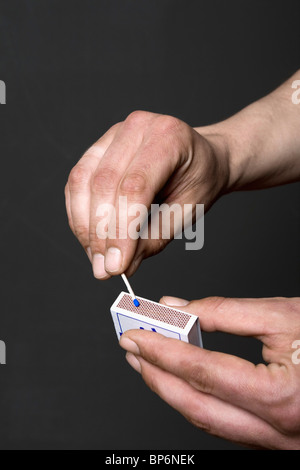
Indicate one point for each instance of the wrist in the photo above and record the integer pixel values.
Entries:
(261, 143)
(243, 142)
(222, 146)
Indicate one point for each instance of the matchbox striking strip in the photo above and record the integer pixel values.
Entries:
(156, 317)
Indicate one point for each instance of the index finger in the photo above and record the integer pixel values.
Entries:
(141, 168)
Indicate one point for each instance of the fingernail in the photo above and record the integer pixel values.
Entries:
(129, 345)
(133, 362)
(89, 253)
(98, 266)
(113, 259)
(175, 301)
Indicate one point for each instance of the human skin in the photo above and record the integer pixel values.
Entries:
(151, 157)
(253, 405)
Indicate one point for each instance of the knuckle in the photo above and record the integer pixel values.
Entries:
(136, 118)
(215, 304)
(134, 183)
(286, 418)
(284, 406)
(81, 232)
(199, 418)
(158, 245)
(104, 180)
(153, 356)
(79, 176)
(200, 379)
(97, 245)
(164, 124)
(291, 307)
(199, 415)
(151, 380)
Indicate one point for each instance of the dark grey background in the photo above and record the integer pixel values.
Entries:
(72, 69)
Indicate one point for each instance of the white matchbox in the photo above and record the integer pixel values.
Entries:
(155, 317)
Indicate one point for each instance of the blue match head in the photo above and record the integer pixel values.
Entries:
(136, 302)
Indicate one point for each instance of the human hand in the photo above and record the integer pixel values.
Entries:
(254, 405)
(148, 157)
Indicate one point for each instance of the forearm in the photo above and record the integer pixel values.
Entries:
(261, 142)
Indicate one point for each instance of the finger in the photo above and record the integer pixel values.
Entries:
(227, 377)
(154, 163)
(79, 187)
(161, 227)
(133, 170)
(145, 248)
(68, 207)
(149, 246)
(103, 187)
(246, 317)
(208, 413)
